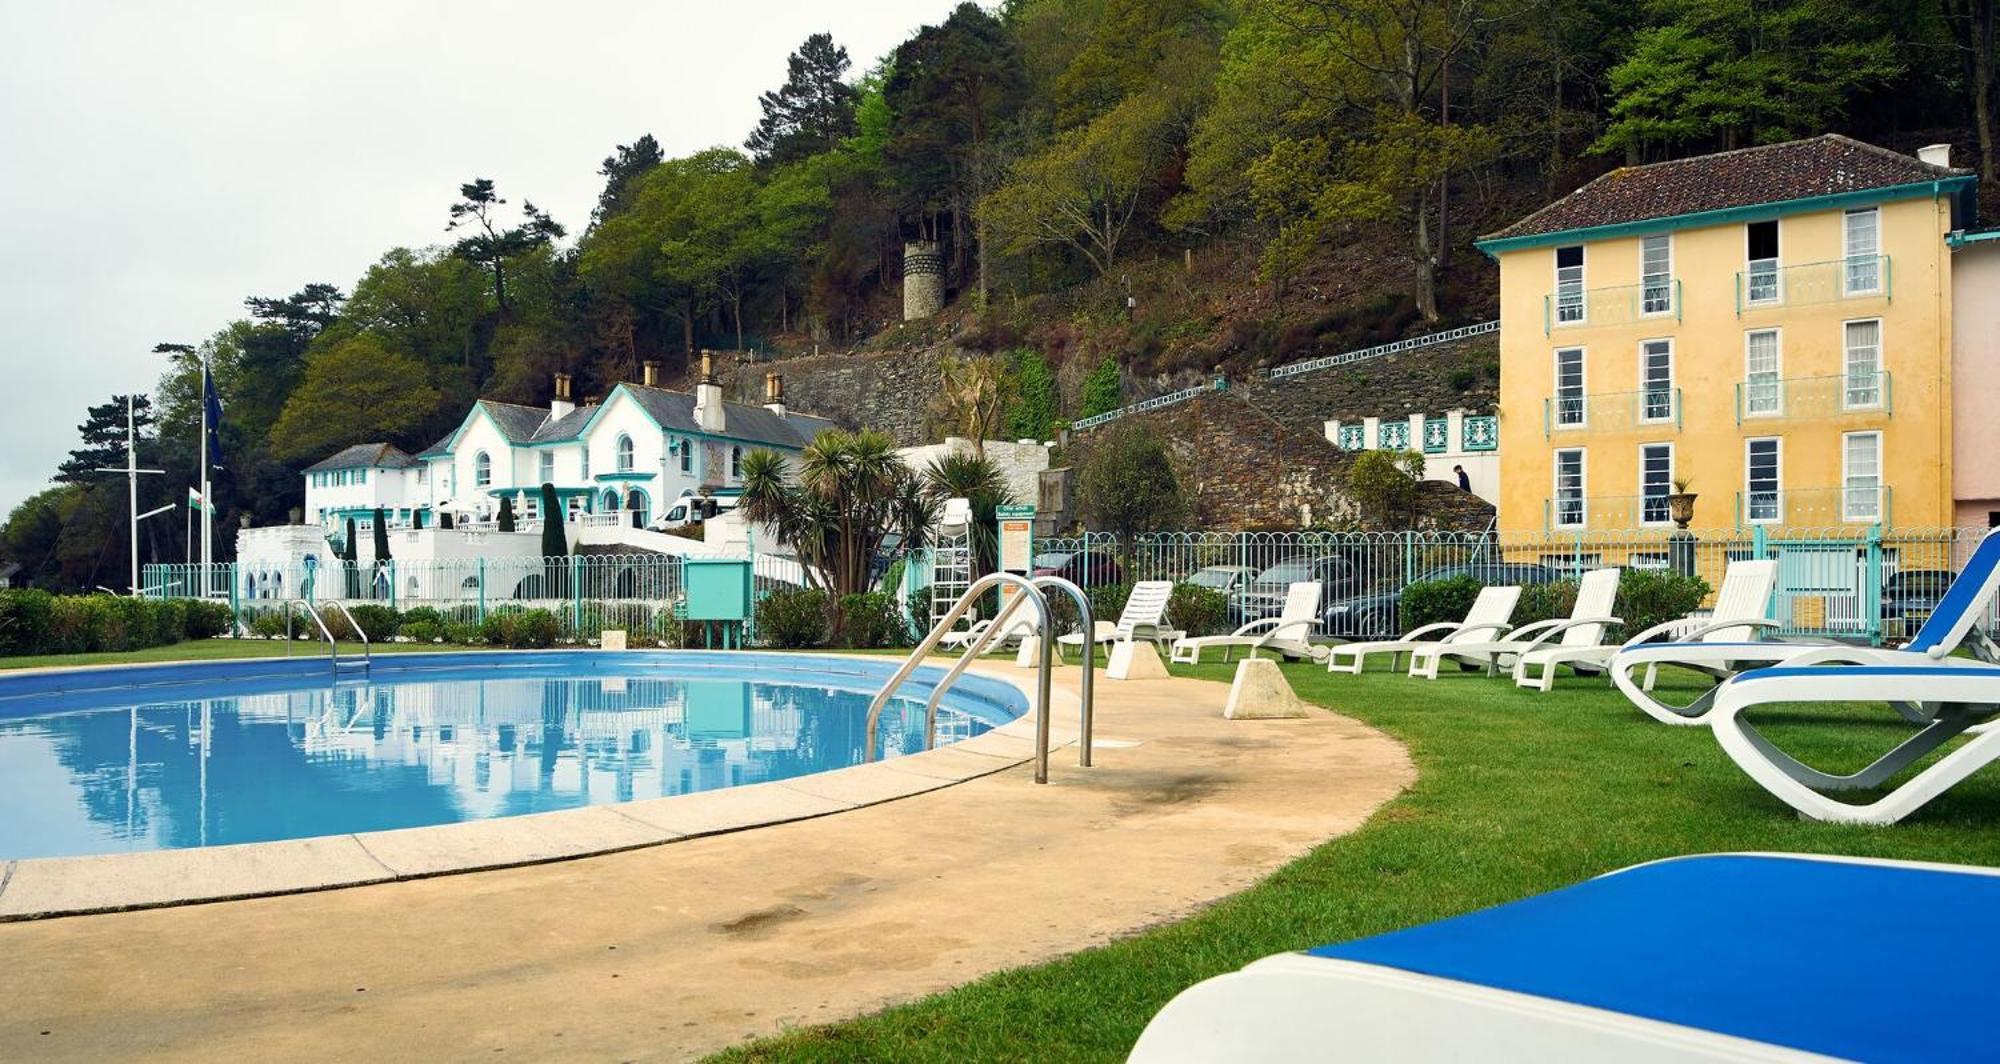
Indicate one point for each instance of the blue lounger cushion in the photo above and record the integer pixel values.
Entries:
(1878, 962)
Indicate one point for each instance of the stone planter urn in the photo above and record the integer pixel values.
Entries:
(1680, 507)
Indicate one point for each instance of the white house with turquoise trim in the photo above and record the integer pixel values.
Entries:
(623, 459)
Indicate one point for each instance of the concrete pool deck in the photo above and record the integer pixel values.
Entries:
(670, 951)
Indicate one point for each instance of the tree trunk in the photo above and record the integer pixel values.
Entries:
(500, 286)
(1426, 263)
(736, 307)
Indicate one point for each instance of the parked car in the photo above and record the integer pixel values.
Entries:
(1338, 576)
(1084, 568)
(1230, 580)
(1909, 596)
(1378, 614)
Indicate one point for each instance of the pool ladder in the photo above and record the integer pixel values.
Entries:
(334, 657)
(1026, 590)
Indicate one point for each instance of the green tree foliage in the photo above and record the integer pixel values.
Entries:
(489, 242)
(1727, 73)
(1127, 484)
(103, 435)
(813, 111)
(623, 168)
(354, 392)
(974, 478)
(1102, 390)
(555, 539)
(1384, 485)
(1033, 405)
(33, 532)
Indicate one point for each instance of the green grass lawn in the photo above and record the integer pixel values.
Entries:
(1517, 793)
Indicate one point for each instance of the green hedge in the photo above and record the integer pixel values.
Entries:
(36, 622)
(792, 617)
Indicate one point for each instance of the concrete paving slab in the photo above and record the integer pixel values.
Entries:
(865, 784)
(710, 812)
(512, 840)
(49, 886)
(951, 763)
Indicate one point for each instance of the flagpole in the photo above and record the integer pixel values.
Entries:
(132, 486)
(207, 502)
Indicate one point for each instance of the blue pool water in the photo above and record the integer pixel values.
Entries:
(167, 757)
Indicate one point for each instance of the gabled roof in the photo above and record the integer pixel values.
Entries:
(1829, 165)
(365, 455)
(743, 421)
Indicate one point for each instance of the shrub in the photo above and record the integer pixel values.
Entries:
(24, 620)
(871, 620)
(422, 615)
(207, 620)
(520, 629)
(379, 623)
(423, 631)
(1384, 485)
(1197, 610)
(793, 617)
(1107, 601)
(1431, 601)
(464, 633)
(1647, 597)
(1543, 602)
(919, 608)
(1463, 377)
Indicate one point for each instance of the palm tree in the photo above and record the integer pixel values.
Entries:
(852, 492)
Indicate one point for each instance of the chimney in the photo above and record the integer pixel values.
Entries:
(560, 403)
(708, 413)
(1936, 154)
(774, 393)
(649, 374)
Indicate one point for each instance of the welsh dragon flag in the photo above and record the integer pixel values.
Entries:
(195, 501)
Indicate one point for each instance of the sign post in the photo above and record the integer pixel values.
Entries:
(1017, 545)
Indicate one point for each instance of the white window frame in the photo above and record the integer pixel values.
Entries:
(1777, 373)
(687, 454)
(1645, 279)
(1646, 383)
(545, 467)
(1847, 512)
(1849, 258)
(1582, 488)
(1777, 268)
(482, 470)
(1582, 286)
(583, 453)
(1847, 365)
(1666, 511)
(1777, 477)
(1582, 388)
(627, 453)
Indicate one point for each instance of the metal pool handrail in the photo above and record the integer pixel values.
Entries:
(1023, 586)
(1087, 690)
(367, 652)
(999, 626)
(332, 645)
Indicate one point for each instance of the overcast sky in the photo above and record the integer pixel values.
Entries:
(161, 161)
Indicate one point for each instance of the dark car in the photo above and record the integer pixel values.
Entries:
(1265, 597)
(1084, 568)
(1376, 614)
(1909, 596)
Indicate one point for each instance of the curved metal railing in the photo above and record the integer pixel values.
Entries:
(1023, 587)
(332, 645)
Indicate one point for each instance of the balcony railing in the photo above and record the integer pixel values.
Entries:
(1617, 305)
(1814, 507)
(1653, 408)
(1805, 398)
(1606, 511)
(1766, 284)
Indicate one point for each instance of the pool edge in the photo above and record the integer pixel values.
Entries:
(125, 882)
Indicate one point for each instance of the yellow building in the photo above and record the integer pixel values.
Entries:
(1772, 325)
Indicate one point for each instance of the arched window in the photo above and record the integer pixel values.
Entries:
(687, 456)
(610, 503)
(624, 454)
(736, 463)
(635, 503)
(482, 470)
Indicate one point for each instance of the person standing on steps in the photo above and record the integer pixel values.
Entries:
(1464, 482)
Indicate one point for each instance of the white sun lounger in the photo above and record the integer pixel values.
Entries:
(1144, 617)
(1953, 623)
(1741, 610)
(1948, 700)
(1286, 633)
(1486, 619)
(964, 636)
(1596, 595)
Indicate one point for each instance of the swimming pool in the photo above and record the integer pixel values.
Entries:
(163, 757)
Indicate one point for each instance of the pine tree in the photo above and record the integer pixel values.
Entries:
(812, 111)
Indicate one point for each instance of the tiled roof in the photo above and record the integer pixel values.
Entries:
(518, 423)
(743, 421)
(365, 455)
(1772, 173)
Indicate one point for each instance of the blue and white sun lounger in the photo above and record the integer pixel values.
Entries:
(1953, 623)
(1720, 957)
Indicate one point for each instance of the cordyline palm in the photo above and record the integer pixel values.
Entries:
(852, 491)
(977, 480)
